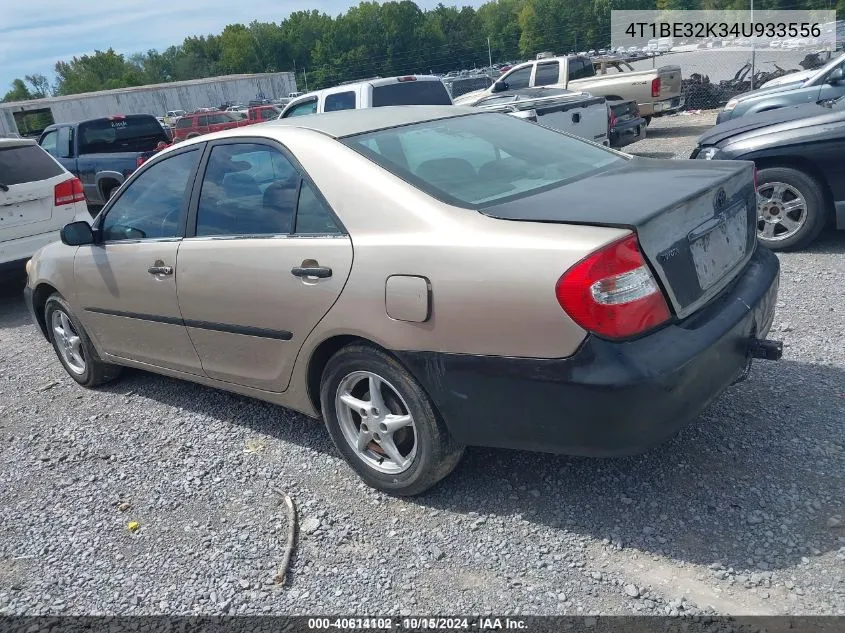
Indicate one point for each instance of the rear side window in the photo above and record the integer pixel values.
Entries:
(340, 101)
(580, 68)
(26, 163)
(411, 93)
(138, 133)
(479, 160)
(547, 74)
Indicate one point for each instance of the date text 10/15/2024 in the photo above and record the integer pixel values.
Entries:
(419, 624)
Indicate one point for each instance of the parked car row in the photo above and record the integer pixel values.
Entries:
(794, 132)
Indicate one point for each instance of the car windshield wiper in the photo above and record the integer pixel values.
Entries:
(4, 188)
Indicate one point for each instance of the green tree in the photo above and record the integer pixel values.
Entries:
(19, 92)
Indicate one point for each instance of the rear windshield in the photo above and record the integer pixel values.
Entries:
(480, 160)
(411, 93)
(135, 133)
(26, 163)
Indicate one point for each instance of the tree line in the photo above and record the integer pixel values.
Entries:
(370, 39)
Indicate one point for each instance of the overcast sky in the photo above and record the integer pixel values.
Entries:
(38, 33)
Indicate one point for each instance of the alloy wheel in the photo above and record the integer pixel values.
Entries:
(376, 422)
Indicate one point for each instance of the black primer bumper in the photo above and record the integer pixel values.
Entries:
(608, 398)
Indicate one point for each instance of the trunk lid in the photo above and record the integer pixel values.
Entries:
(696, 223)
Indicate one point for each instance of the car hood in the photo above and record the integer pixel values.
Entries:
(798, 77)
(470, 97)
(764, 92)
(751, 122)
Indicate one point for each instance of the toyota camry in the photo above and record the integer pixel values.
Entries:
(423, 279)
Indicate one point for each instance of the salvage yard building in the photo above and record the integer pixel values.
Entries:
(29, 117)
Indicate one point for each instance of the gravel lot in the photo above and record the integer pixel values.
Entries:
(742, 513)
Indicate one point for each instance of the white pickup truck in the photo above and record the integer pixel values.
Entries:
(577, 113)
(655, 91)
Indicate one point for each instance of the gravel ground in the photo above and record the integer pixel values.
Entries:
(742, 513)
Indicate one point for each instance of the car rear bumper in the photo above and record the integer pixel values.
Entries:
(17, 251)
(668, 106)
(609, 398)
(628, 132)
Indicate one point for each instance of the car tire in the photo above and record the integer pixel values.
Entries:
(78, 357)
(798, 188)
(427, 450)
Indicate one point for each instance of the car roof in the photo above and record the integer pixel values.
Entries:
(349, 122)
(16, 142)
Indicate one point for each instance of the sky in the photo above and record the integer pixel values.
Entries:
(34, 39)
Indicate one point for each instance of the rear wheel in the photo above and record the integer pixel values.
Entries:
(73, 347)
(791, 208)
(383, 422)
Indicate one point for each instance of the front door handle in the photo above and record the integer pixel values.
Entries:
(160, 270)
(311, 271)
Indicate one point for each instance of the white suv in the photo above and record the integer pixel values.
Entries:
(37, 198)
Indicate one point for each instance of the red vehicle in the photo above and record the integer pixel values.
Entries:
(259, 114)
(199, 123)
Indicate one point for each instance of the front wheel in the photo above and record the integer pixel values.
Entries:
(791, 208)
(383, 422)
(73, 347)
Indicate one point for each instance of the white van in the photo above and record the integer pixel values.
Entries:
(372, 93)
(37, 198)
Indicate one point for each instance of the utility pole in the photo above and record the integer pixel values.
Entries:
(294, 73)
(489, 54)
(753, 47)
(305, 74)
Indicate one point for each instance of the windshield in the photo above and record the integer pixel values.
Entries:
(134, 133)
(478, 161)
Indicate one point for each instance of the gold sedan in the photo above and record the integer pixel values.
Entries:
(423, 279)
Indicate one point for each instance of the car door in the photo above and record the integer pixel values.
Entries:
(264, 260)
(126, 282)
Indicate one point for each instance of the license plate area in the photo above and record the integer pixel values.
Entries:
(720, 248)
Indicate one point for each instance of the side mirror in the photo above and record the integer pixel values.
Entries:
(835, 76)
(77, 234)
(500, 86)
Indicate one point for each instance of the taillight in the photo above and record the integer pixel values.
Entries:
(406, 78)
(140, 161)
(68, 192)
(612, 292)
(611, 119)
(655, 87)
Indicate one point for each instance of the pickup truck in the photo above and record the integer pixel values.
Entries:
(372, 93)
(656, 90)
(259, 114)
(576, 113)
(102, 153)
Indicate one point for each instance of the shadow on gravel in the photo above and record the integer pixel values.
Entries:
(830, 242)
(653, 154)
(750, 484)
(12, 307)
(676, 130)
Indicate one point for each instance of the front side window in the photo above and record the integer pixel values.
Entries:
(518, 79)
(48, 143)
(479, 160)
(301, 109)
(340, 101)
(152, 205)
(247, 189)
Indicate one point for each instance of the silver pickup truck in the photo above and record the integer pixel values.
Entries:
(656, 91)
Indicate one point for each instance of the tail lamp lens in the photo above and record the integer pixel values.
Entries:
(612, 292)
(655, 87)
(68, 192)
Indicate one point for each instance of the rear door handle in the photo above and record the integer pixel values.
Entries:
(311, 271)
(160, 270)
